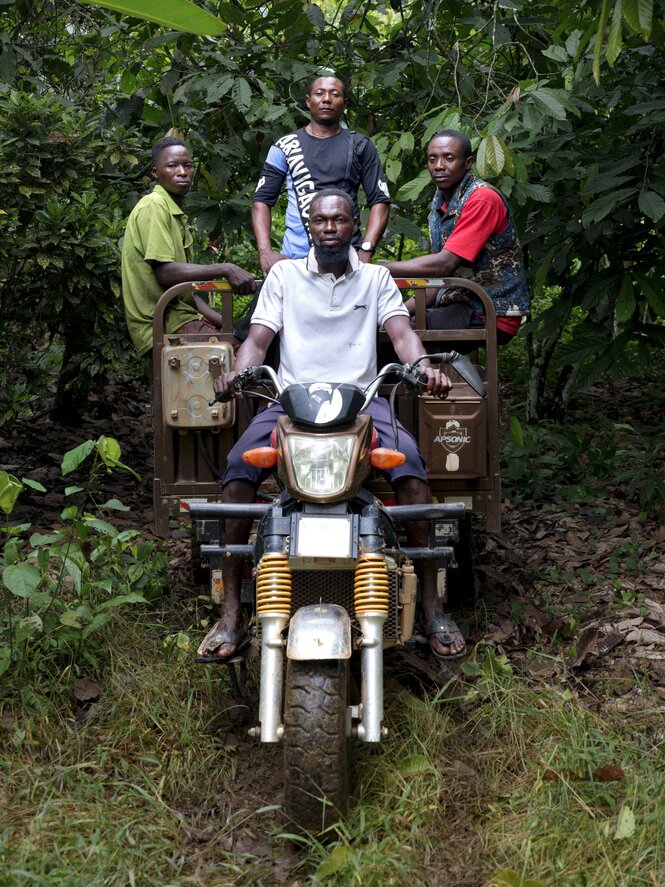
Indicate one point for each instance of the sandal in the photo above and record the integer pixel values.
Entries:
(446, 632)
(216, 637)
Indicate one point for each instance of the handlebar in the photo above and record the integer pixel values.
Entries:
(406, 372)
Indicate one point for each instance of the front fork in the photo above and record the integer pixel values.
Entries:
(371, 599)
(371, 595)
(273, 609)
(332, 641)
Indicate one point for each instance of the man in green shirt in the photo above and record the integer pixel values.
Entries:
(156, 253)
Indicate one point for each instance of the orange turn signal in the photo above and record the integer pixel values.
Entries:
(384, 458)
(261, 457)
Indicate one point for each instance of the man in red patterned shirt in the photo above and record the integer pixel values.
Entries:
(473, 235)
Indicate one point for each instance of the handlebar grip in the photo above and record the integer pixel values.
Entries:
(225, 395)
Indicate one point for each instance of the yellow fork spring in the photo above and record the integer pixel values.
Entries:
(273, 585)
(370, 586)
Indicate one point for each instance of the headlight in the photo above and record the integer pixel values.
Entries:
(321, 464)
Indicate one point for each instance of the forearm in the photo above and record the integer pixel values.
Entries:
(441, 264)
(430, 298)
(261, 222)
(409, 348)
(376, 222)
(170, 273)
(406, 343)
(252, 352)
(212, 316)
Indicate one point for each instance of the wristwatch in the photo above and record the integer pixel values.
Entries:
(368, 247)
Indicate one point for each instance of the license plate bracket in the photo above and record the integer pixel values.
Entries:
(324, 536)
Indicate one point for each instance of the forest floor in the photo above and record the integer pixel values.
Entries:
(570, 604)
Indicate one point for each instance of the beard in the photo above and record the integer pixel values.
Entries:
(328, 256)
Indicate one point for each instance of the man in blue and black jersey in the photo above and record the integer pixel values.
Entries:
(320, 155)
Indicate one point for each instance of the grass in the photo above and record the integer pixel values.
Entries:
(123, 797)
(156, 786)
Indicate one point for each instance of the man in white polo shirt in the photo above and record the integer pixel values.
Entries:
(326, 309)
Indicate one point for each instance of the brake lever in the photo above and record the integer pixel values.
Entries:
(237, 385)
(226, 395)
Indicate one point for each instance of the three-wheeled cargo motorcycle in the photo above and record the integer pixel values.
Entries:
(331, 577)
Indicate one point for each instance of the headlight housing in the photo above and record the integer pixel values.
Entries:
(320, 464)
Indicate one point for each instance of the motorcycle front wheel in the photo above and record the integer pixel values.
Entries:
(316, 748)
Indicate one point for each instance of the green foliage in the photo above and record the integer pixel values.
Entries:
(581, 463)
(564, 104)
(63, 586)
(59, 228)
(177, 15)
(10, 487)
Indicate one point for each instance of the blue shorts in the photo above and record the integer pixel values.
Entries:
(258, 435)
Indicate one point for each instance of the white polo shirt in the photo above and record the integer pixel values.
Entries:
(327, 325)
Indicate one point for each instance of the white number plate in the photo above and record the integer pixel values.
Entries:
(324, 537)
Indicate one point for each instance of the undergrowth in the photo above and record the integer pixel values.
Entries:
(506, 784)
(492, 781)
(613, 443)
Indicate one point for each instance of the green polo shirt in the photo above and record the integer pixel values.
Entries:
(156, 231)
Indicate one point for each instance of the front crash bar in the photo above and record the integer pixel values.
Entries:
(420, 554)
(227, 550)
(225, 510)
(448, 510)
(256, 510)
(414, 554)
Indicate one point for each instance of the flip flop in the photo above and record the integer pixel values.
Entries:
(446, 632)
(216, 637)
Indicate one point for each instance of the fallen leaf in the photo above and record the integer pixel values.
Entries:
(573, 540)
(502, 629)
(535, 618)
(625, 823)
(645, 636)
(466, 772)
(646, 653)
(632, 701)
(85, 690)
(509, 878)
(656, 611)
(563, 776)
(624, 625)
(608, 773)
(494, 574)
(543, 667)
(585, 643)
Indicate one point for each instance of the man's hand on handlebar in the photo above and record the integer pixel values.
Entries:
(223, 385)
(438, 383)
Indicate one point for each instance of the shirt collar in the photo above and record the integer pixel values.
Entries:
(352, 265)
(174, 209)
(442, 203)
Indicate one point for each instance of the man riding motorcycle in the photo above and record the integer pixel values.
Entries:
(326, 309)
